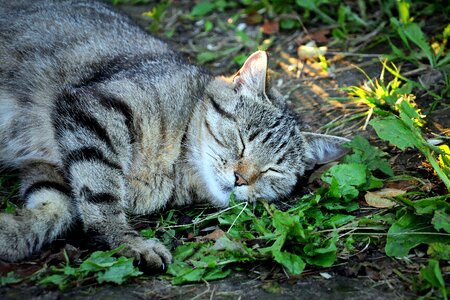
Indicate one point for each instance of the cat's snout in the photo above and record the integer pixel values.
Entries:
(239, 179)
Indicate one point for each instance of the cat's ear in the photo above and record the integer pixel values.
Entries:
(322, 148)
(252, 76)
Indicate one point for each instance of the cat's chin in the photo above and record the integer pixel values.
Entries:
(220, 196)
(216, 193)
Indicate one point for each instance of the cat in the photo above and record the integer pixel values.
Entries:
(103, 120)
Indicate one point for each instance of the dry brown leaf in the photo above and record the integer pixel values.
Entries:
(316, 35)
(253, 18)
(214, 236)
(320, 36)
(402, 184)
(270, 27)
(380, 198)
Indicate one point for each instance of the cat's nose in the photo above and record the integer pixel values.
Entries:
(239, 179)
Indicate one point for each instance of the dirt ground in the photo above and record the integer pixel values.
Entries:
(237, 286)
(368, 276)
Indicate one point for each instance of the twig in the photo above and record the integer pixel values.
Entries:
(414, 72)
(206, 218)
(353, 54)
(204, 292)
(245, 206)
(369, 115)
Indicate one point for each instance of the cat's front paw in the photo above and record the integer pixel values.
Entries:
(147, 253)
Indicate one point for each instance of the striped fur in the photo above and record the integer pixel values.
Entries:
(104, 120)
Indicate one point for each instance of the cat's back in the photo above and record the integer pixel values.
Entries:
(59, 25)
(64, 39)
(48, 46)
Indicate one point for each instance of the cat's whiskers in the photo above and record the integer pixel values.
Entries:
(215, 152)
(212, 156)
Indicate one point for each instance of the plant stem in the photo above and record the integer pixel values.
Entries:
(436, 167)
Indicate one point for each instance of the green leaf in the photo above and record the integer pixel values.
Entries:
(119, 272)
(293, 263)
(444, 159)
(410, 112)
(321, 256)
(397, 51)
(428, 206)
(432, 274)
(10, 278)
(217, 273)
(225, 243)
(344, 178)
(202, 8)
(410, 231)
(446, 32)
(338, 220)
(222, 4)
(177, 268)
(10, 208)
(95, 264)
(403, 10)
(439, 251)
(208, 261)
(56, 279)
(208, 26)
(342, 12)
(322, 259)
(288, 23)
(398, 26)
(68, 270)
(416, 35)
(338, 34)
(347, 174)
(441, 220)
(308, 4)
(365, 153)
(184, 251)
(394, 131)
(334, 191)
(240, 59)
(192, 275)
(288, 224)
(374, 183)
(148, 233)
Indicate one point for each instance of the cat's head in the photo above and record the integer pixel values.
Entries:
(249, 143)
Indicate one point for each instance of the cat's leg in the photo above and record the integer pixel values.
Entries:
(100, 195)
(48, 212)
(95, 135)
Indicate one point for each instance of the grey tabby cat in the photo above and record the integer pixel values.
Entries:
(103, 120)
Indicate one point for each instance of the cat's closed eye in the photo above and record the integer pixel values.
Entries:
(272, 171)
